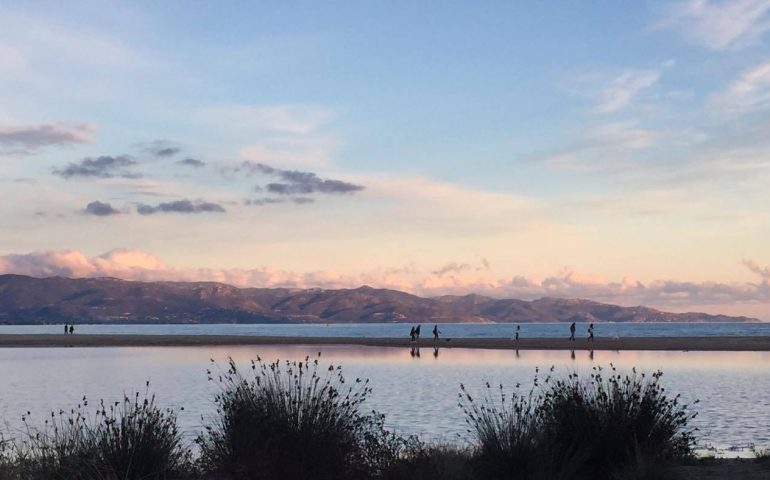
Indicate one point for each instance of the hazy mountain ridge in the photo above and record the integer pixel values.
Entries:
(109, 300)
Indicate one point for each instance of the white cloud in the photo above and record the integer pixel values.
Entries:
(722, 25)
(426, 189)
(42, 41)
(605, 147)
(624, 136)
(425, 204)
(624, 88)
(11, 60)
(315, 152)
(749, 92)
(288, 119)
(279, 135)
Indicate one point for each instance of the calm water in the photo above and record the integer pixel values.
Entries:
(418, 394)
(473, 330)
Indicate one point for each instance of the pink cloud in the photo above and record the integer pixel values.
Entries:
(675, 295)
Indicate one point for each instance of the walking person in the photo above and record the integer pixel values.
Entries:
(72, 329)
(572, 331)
(436, 331)
(66, 329)
(411, 333)
(417, 332)
(516, 335)
(591, 333)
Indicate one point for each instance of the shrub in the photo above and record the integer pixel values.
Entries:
(129, 440)
(611, 421)
(433, 463)
(580, 428)
(504, 430)
(292, 420)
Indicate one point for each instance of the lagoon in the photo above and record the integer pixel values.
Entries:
(416, 391)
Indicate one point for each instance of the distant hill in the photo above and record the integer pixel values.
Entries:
(28, 300)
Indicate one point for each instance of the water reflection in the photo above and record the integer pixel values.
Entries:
(417, 395)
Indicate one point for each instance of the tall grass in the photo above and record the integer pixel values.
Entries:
(295, 420)
(575, 427)
(7, 458)
(613, 419)
(505, 428)
(129, 440)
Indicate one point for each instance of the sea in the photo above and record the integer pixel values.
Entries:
(416, 390)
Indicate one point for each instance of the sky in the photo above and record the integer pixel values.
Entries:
(616, 151)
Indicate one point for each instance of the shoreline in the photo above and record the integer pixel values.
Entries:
(724, 343)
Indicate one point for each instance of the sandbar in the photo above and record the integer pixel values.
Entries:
(724, 343)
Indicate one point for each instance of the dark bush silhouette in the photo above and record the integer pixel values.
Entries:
(577, 427)
(300, 420)
(505, 430)
(296, 420)
(611, 419)
(129, 440)
(433, 463)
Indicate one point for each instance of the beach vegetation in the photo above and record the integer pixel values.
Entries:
(133, 439)
(434, 462)
(290, 420)
(575, 427)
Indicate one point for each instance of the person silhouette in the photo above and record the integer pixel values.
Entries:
(412, 333)
(72, 329)
(591, 333)
(436, 331)
(518, 329)
(417, 332)
(66, 329)
(572, 331)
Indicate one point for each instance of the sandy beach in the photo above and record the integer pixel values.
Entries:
(636, 343)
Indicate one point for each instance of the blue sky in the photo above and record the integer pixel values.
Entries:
(610, 150)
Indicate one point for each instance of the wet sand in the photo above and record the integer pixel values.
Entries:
(636, 343)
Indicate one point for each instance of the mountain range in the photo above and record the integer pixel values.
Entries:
(30, 300)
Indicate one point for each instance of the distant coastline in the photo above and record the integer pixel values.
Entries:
(37, 301)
